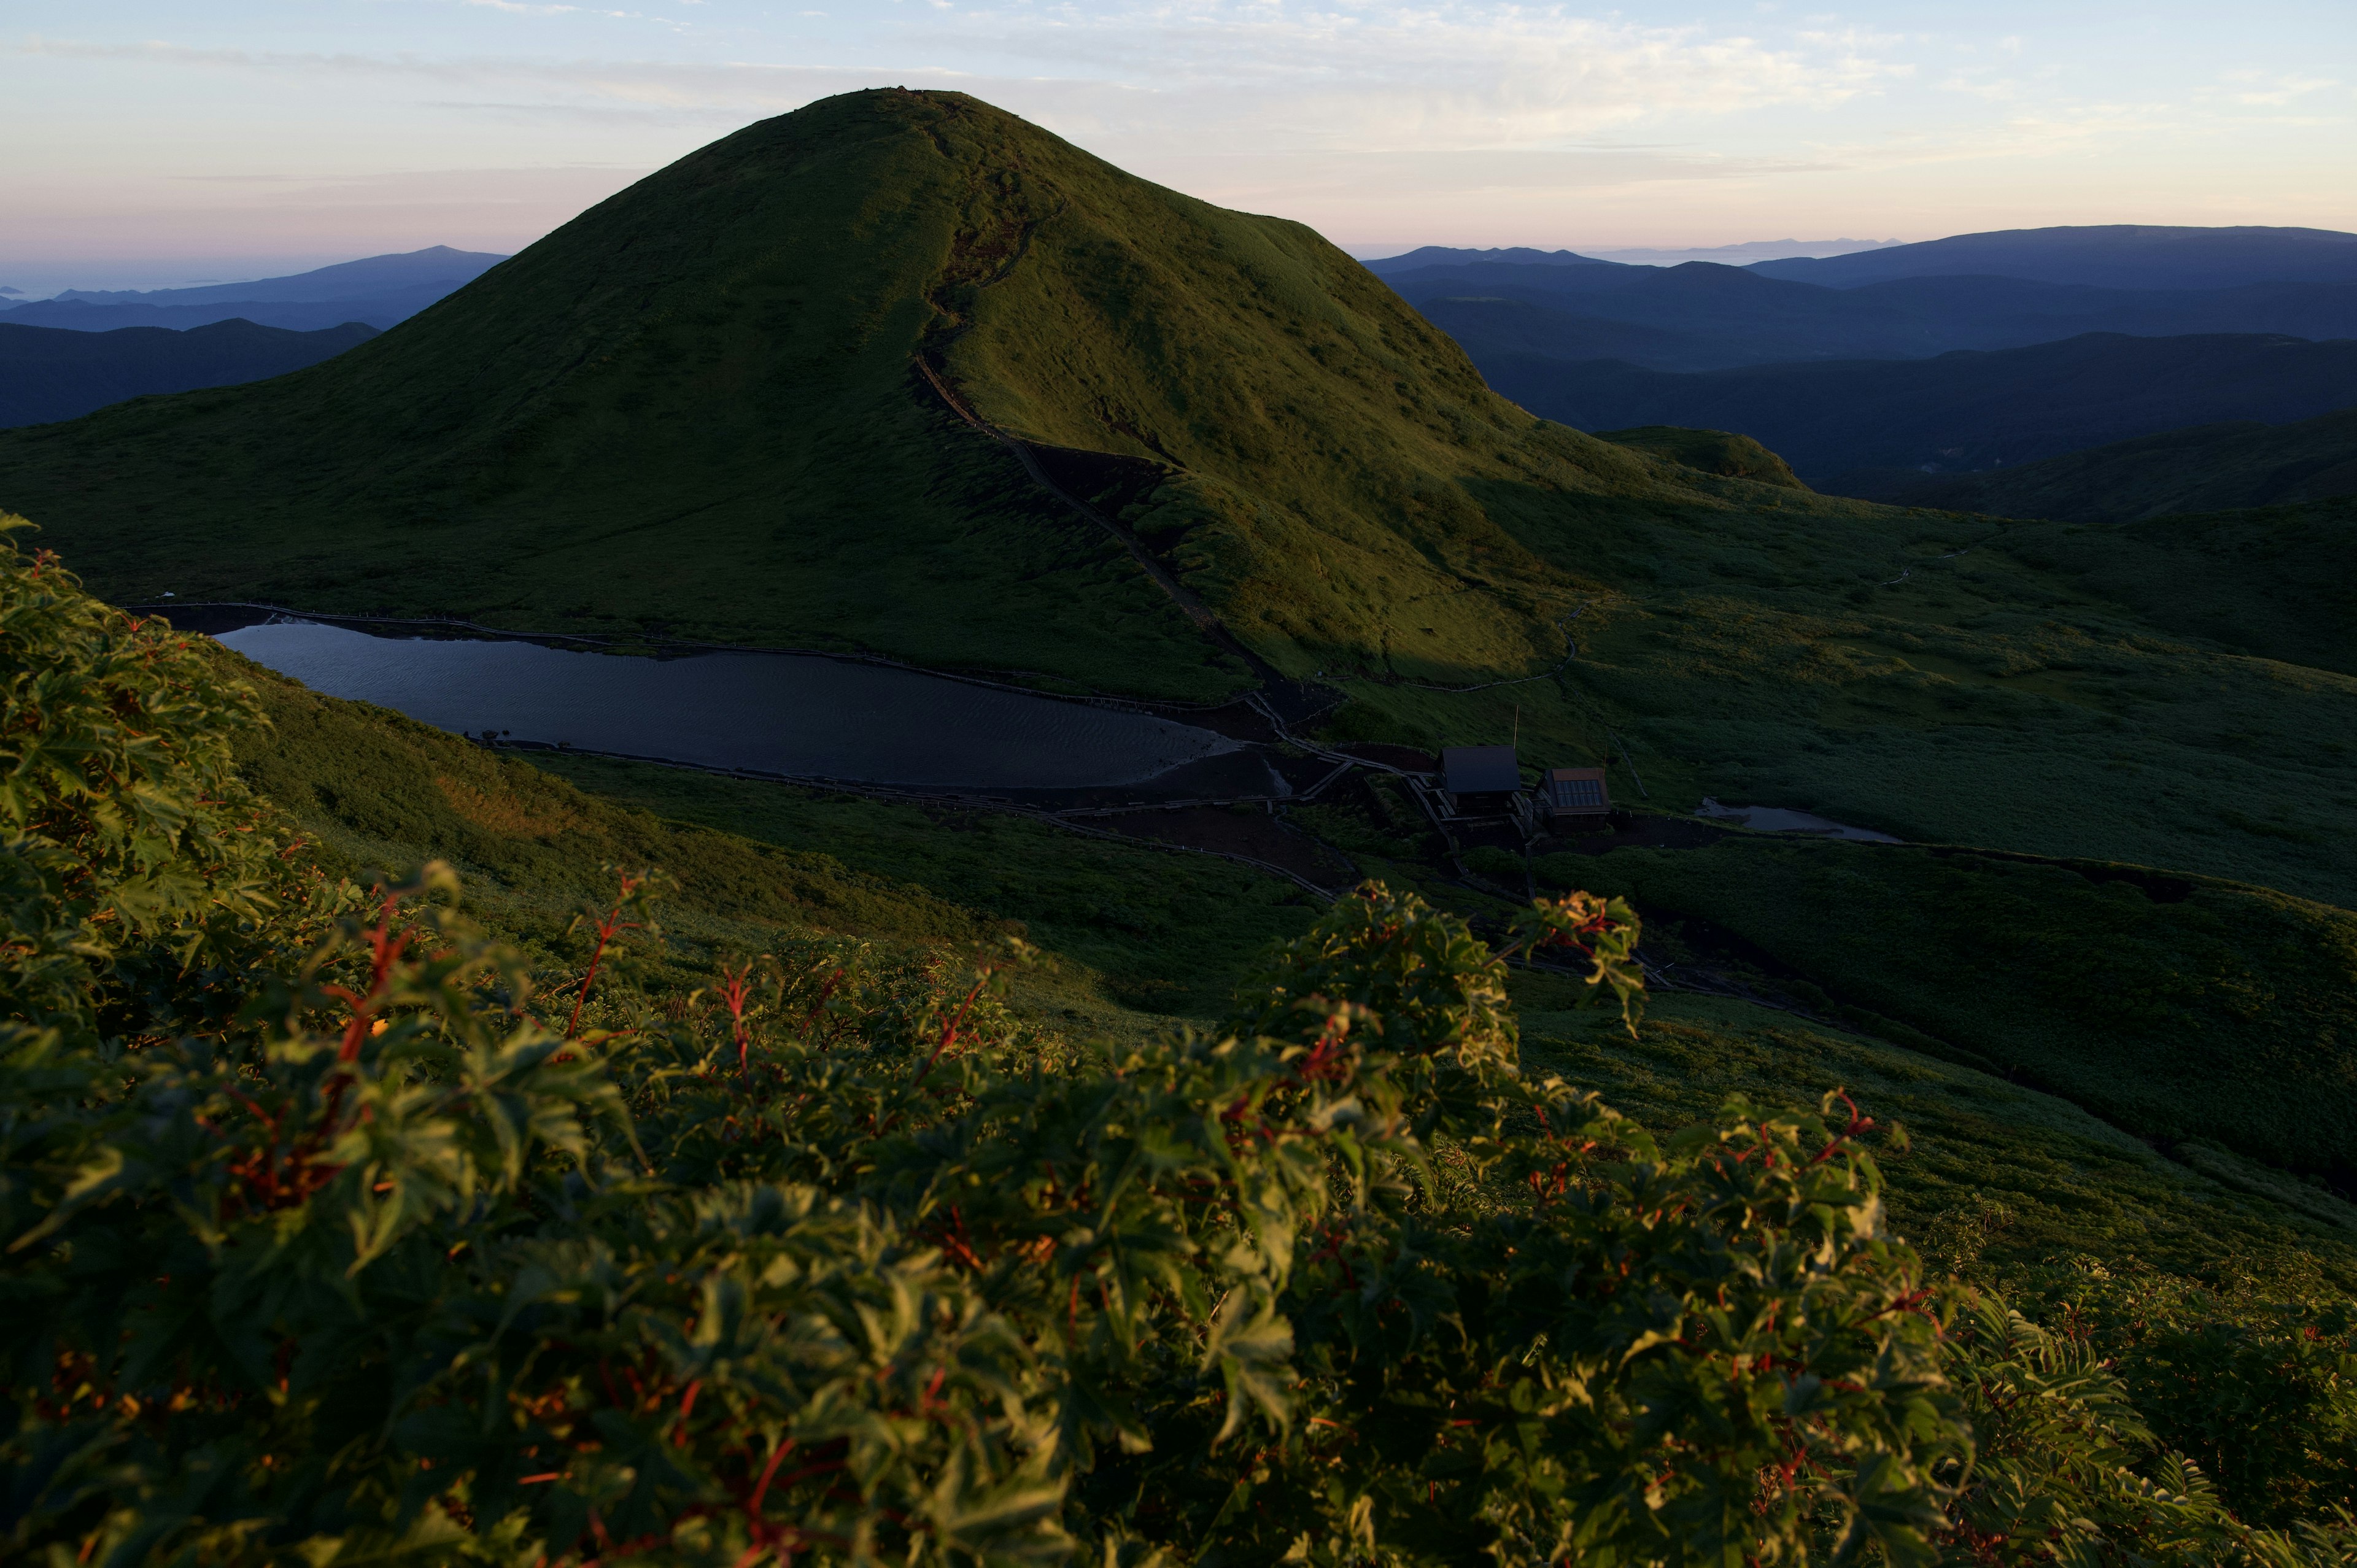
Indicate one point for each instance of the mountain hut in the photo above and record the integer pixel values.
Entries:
(1481, 780)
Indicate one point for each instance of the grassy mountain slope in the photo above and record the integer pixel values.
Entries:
(1905, 672)
(49, 373)
(2214, 468)
(692, 409)
(699, 406)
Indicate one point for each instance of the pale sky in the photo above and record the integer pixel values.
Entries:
(155, 142)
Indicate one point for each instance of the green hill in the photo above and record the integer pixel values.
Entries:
(1711, 451)
(713, 381)
(2211, 467)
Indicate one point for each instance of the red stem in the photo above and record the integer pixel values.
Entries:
(612, 923)
(753, 1507)
(950, 1034)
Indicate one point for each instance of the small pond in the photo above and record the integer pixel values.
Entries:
(1779, 820)
(803, 715)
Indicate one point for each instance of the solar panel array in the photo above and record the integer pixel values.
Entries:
(1574, 792)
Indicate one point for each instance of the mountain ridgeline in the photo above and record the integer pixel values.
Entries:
(1838, 422)
(378, 291)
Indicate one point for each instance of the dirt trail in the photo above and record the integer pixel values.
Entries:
(1192, 607)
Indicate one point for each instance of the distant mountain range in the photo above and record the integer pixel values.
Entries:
(377, 290)
(2113, 255)
(1959, 411)
(1702, 316)
(1802, 354)
(1875, 371)
(48, 374)
(2116, 255)
(1428, 256)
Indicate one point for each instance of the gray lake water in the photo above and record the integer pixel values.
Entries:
(800, 714)
(1779, 820)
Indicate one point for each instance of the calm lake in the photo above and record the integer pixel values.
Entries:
(798, 715)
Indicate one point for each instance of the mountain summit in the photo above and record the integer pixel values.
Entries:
(804, 388)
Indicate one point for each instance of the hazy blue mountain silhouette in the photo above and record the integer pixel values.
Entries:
(377, 290)
(345, 280)
(1510, 256)
(1702, 315)
(1959, 413)
(2114, 255)
(50, 373)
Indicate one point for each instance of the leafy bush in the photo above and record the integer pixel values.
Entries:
(2262, 1393)
(328, 1239)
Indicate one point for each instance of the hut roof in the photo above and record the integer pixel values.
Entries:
(1480, 770)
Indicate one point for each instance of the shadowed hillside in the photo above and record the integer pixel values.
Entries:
(2279, 582)
(2214, 468)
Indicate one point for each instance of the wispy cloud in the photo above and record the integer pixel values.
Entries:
(1231, 75)
(2260, 90)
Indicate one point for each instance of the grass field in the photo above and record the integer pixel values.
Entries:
(2277, 582)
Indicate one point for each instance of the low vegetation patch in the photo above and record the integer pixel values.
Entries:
(331, 1235)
